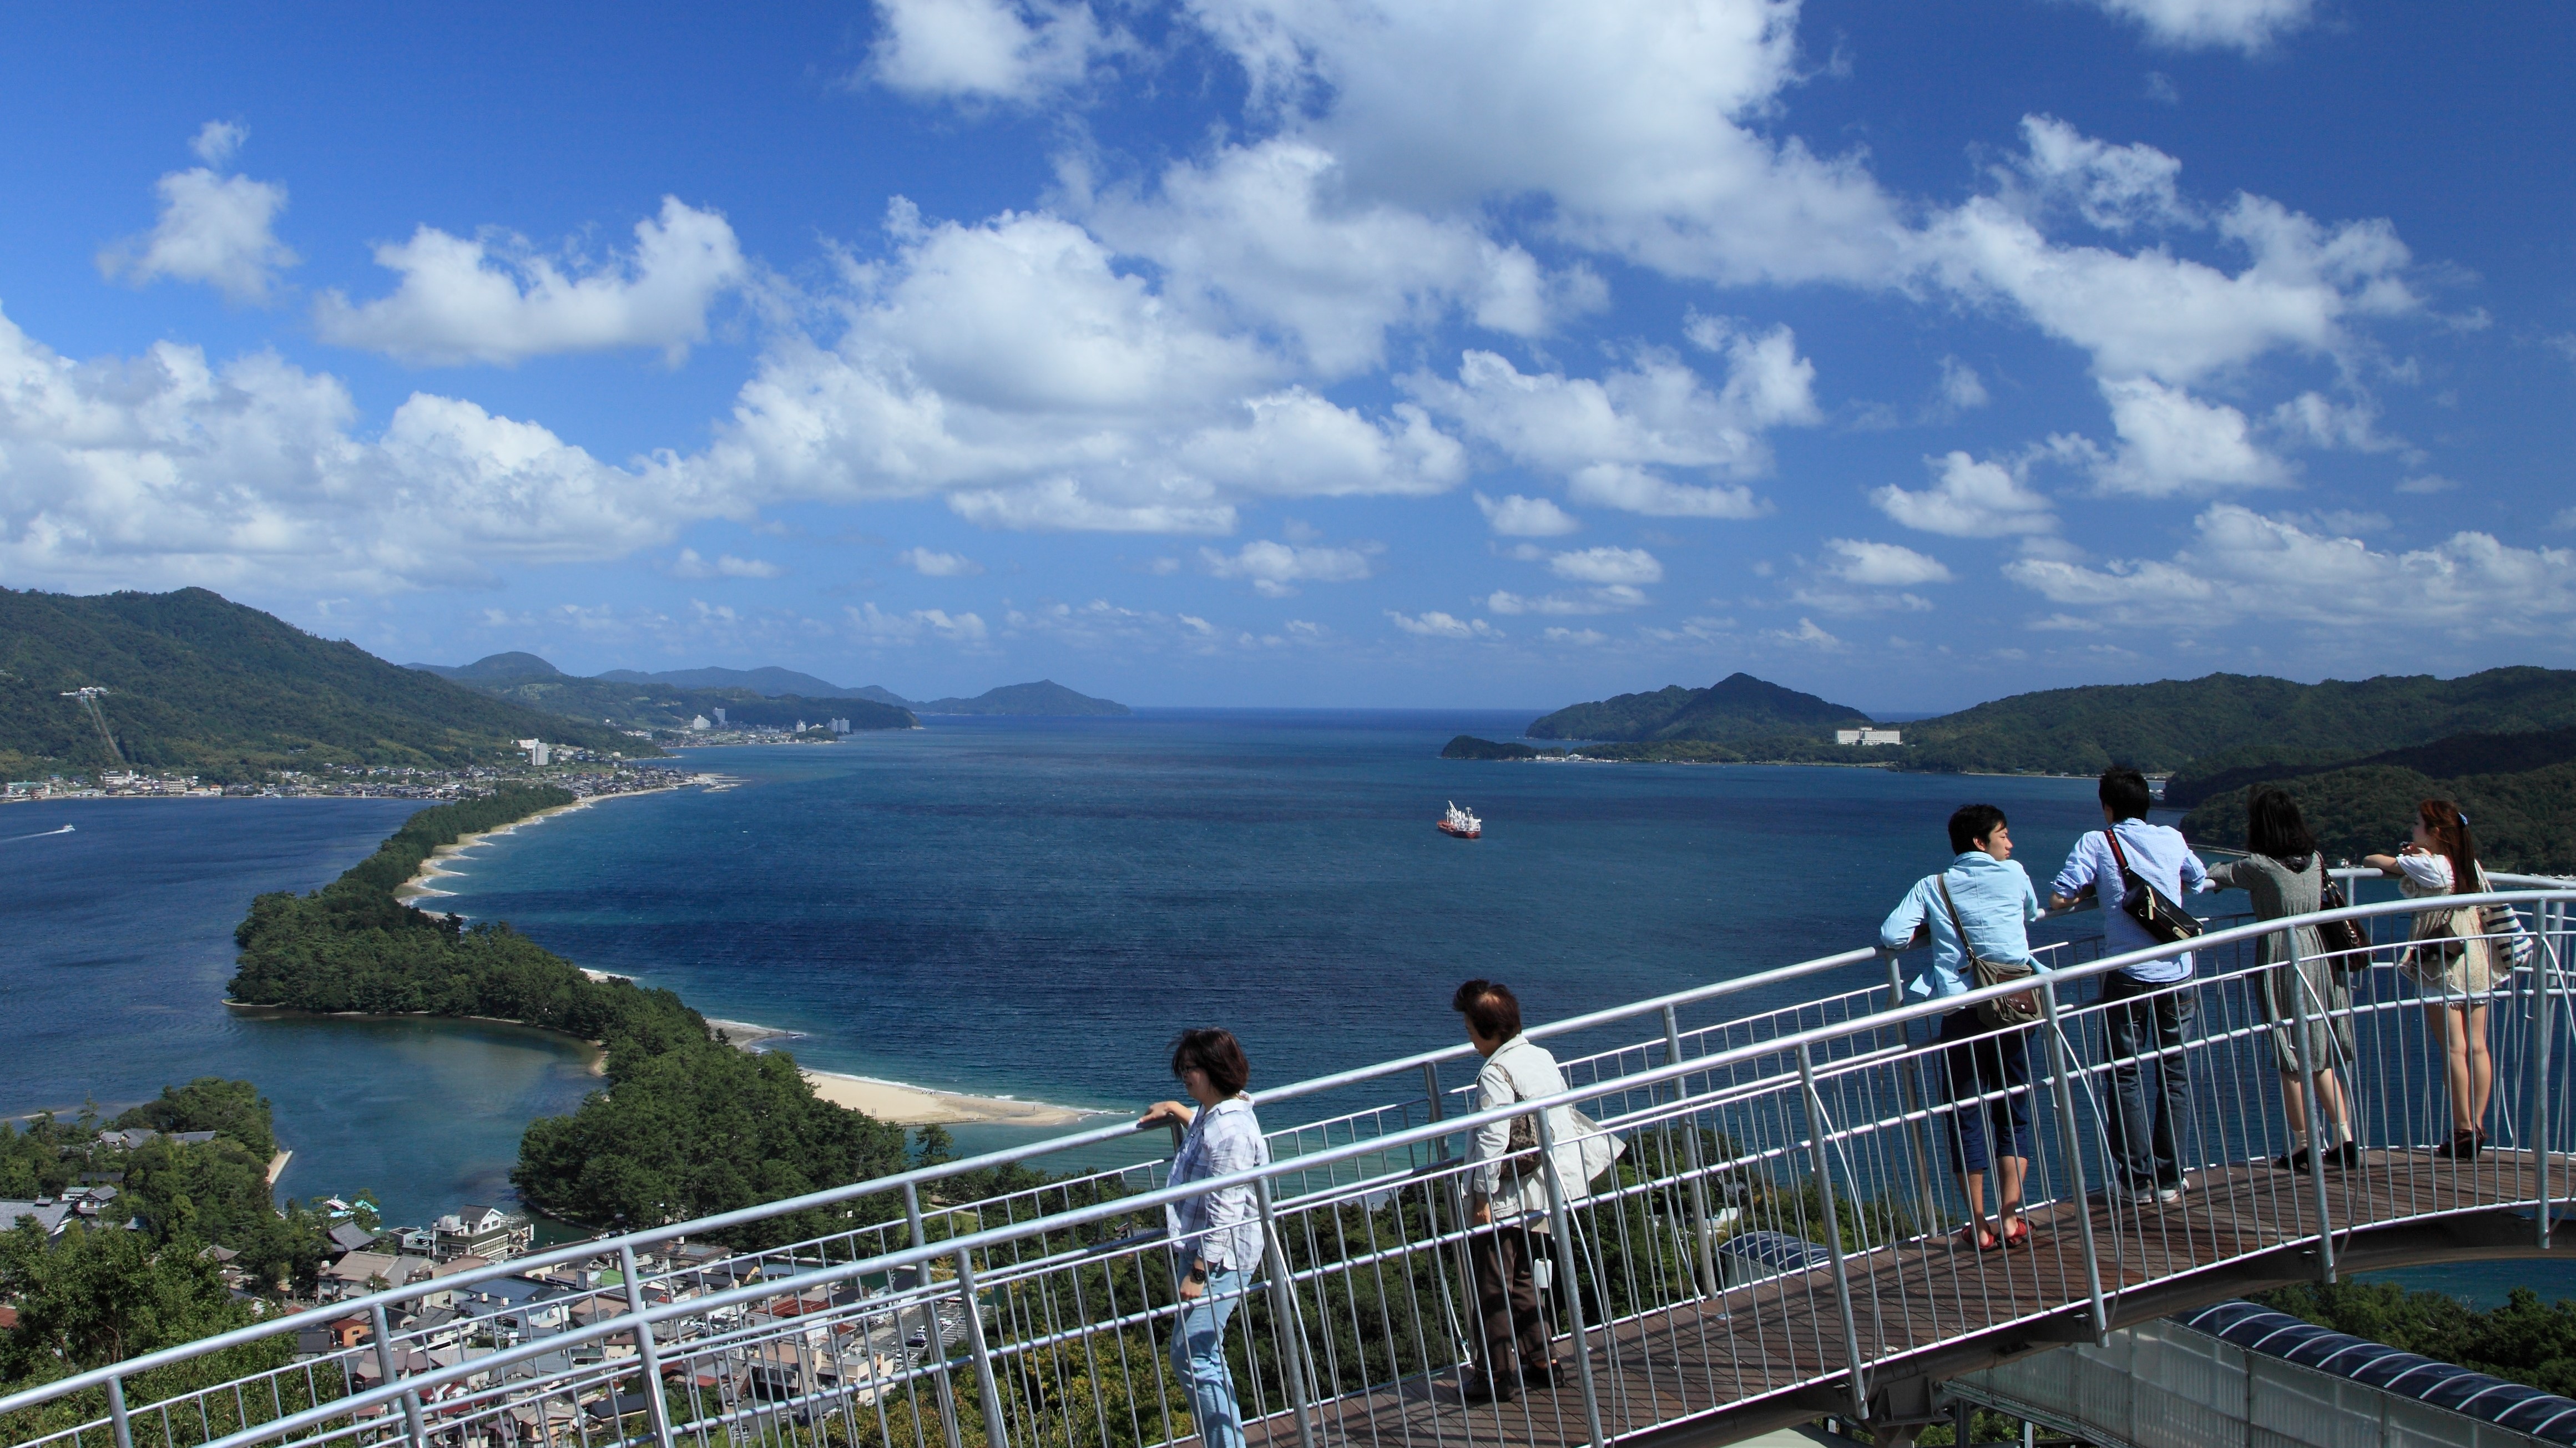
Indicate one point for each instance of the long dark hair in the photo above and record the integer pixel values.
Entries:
(2274, 827)
(2450, 831)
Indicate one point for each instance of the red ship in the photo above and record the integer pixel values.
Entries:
(1460, 823)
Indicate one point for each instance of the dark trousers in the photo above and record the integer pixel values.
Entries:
(2145, 1033)
(1979, 1060)
(1507, 1301)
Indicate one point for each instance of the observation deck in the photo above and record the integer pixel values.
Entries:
(1777, 1240)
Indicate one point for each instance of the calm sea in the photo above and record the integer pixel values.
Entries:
(1022, 907)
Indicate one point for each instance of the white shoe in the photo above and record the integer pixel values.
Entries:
(2146, 1197)
(2168, 1196)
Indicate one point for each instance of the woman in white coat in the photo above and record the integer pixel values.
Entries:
(1515, 1348)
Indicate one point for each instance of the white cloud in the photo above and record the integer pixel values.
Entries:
(1882, 565)
(2114, 188)
(1972, 499)
(2243, 566)
(1296, 444)
(931, 564)
(1583, 637)
(2174, 444)
(1636, 490)
(492, 299)
(213, 228)
(1635, 122)
(690, 565)
(1806, 635)
(1962, 390)
(1275, 568)
(1514, 516)
(874, 625)
(2247, 25)
(2427, 483)
(984, 50)
(1059, 505)
(1609, 598)
(1608, 565)
(1434, 624)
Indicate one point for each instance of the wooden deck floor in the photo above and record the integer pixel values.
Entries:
(1779, 1335)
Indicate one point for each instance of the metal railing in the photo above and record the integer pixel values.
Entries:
(1779, 1223)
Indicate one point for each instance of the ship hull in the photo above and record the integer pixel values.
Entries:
(1455, 833)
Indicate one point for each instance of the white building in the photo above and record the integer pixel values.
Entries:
(700, 722)
(1868, 736)
(540, 753)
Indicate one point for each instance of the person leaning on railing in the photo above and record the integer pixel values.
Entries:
(2148, 1007)
(2286, 875)
(1514, 1348)
(1218, 1233)
(1986, 893)
(2450, 960)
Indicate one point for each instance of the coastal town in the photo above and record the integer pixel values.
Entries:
(583, 772)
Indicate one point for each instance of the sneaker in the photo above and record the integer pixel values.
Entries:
(2168, 1196)
(2148, 1196)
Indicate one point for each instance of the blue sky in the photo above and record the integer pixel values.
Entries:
(1312, 351)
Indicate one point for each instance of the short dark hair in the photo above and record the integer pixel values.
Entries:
(1972, 825)
(2125, 791)
(2274, 827)
(1214, 1050)
(1492, 1011)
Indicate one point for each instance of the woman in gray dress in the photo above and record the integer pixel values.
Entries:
(2286, 875)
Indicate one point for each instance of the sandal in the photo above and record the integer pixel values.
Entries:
(2018, 1234)
(1976, 1236)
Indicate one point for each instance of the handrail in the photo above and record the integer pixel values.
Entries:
(2541, 889)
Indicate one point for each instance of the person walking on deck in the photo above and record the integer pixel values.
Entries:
(1515, 1346)
(1218, 1235)
(1987, 895)
(2147, 1007)
(2286, 875)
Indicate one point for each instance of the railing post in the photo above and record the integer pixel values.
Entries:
(2315, 1111)
(2544, 967)
(1706, 1255)
(2070, 1142)
(1821, 1163)
(116, 1418)
(412, 1425)
(930, 1329)
(657, 1413)
(986, 1390)
(1457, 1194)
(1562, 1220)
(1918, 1133)
(1283, 1310)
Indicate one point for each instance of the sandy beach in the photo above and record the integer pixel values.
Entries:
(902, 1105)
(418, 887)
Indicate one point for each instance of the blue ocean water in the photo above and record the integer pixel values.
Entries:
(118, 945)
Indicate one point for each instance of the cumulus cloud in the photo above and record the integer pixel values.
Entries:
(984, 50)
(1514, 516)
(1433, 624)
(1608, 565)
(931, 564)
(877, 626)
(1638, 490)
(1805, 636)
(2246, 25)
(2243, 566)
(1962, 390)
(2174, 444)
(164, 469)
(2427, 483)
(1882, 565)
(1582, 637)
(690, 565)
(1059, 505)
(1609, 598)
(1274, 569)
(2114, 188)
(1970, 499)
(492, 299)
(213, 228)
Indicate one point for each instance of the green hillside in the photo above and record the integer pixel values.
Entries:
(2461, 754)
(1739, 706)
(203, 685)
(2524, 821)
(661, 706)
(2233, 719)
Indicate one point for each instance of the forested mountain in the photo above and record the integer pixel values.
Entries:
(1046, 697)
(2452, 758)
(632, 705)
(2223, 720)
(200, 684)
(1739, 706)
(2524, 821)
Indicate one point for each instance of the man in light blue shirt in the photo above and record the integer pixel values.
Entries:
(2148, 1006)
(1986, 1071)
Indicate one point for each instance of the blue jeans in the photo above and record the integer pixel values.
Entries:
(1198, 1359)
(2146, 1033)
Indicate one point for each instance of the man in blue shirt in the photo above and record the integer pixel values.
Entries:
(2148, 1006)
(1987, 1071)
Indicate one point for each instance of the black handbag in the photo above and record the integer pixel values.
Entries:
(2003, 1012)
(2162, 919)
(2342, 939)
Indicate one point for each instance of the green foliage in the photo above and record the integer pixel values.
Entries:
(2525, 1341)
(203, 685)
(231, 1109)
(1045, 697)
(2523, 822)
(1739, 706)
(2452, 758)
(1468, 746)
(644, 705)
(2234, 719)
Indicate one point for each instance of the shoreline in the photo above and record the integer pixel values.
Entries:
(418, 888)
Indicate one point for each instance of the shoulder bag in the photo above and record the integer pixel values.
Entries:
(2509, 944)
(2162, 919)
(2002, 1012)
(1521, 1161)
(2343, 940)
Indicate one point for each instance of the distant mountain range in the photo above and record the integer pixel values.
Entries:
(200, 684)
(668, 699)
(1738, 706)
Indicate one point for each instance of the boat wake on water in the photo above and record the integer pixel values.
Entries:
(38, 835)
